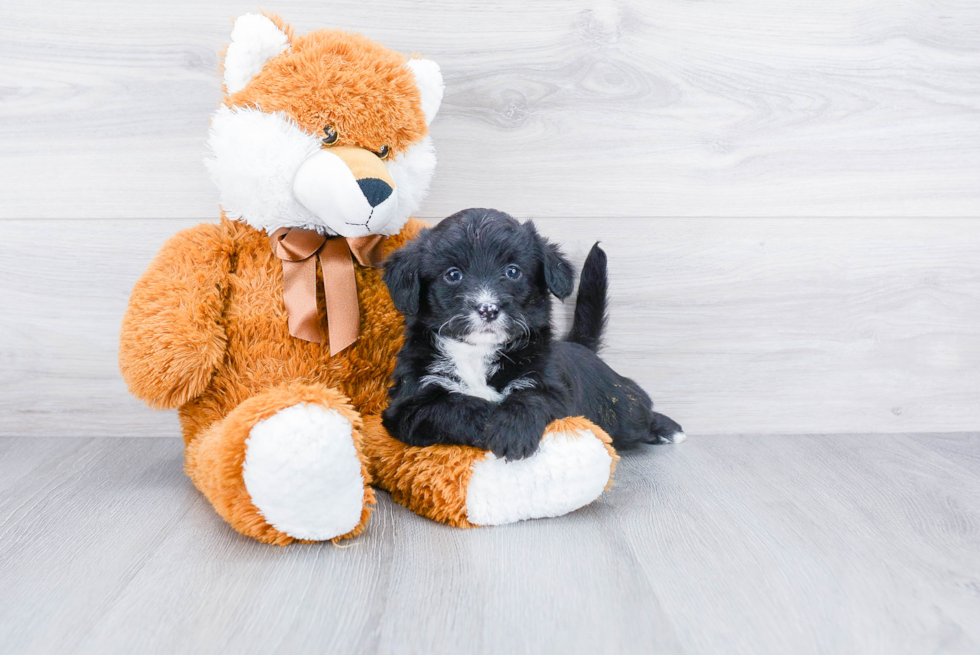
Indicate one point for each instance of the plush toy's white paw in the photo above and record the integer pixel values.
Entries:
(303, 474)
(569, 471)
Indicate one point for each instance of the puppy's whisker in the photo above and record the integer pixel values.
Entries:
(449, 322)
(523, 338)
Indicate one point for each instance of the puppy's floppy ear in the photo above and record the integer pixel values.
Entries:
(558, 272)
(402, 276)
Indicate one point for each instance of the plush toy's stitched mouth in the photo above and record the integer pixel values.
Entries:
(365, 223)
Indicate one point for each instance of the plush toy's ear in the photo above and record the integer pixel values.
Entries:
(428, 77)
(255, 39)
(402, 276)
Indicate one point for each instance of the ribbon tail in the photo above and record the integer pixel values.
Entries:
(298, 288)
(369, 250)
(340, 290)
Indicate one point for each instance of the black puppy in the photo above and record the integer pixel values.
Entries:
(479, 366)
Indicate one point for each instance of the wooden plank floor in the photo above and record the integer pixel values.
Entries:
(761, 544)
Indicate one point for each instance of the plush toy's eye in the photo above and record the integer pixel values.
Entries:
(384, 152)
(513, 272)
(331, 135)
(453, 275)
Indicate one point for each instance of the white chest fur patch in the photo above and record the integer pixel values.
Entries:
(466, 368)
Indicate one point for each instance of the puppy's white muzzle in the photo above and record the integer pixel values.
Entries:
(327, 187)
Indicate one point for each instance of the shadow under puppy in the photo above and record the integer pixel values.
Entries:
(480, 366)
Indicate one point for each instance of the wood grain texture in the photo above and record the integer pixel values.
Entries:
(748, 325)
(553, 108)
(756, 545)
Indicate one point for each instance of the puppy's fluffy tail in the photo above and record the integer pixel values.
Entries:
(590, 306)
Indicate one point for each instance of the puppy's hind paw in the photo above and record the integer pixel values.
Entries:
(665, 430)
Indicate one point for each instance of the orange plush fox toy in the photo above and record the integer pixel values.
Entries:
(272, 330)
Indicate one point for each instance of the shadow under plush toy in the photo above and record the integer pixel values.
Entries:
(273, 332)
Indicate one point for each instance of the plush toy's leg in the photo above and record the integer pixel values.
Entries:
(465, 486)
(285, 465)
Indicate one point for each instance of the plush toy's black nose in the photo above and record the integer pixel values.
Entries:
(488, 311)
(376, 191)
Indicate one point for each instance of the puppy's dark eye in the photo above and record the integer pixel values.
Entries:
(513, 272)
(331, 135)
(453, 275)
(384, 152)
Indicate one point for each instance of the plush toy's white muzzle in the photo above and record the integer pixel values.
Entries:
(350, 206)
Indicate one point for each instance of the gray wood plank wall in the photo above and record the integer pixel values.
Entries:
(787, 190)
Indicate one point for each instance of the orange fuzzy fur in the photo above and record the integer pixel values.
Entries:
(206, 330)
(430, 481)
(333, 77)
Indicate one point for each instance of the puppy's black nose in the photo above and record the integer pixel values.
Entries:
(376, 191)
(488, 311)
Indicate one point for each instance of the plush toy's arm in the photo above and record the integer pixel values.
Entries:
(172, 337)
(465, 486)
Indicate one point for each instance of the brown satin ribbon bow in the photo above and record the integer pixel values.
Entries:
(296, 248)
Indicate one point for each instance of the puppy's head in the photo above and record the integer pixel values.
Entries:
(479, 276)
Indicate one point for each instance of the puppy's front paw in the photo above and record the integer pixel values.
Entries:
(511, 441)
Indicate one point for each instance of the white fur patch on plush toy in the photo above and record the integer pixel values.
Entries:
(327, 187)
(412, 172)
(303, 474)
(569, 471)
(254, 159)
(254, 40)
